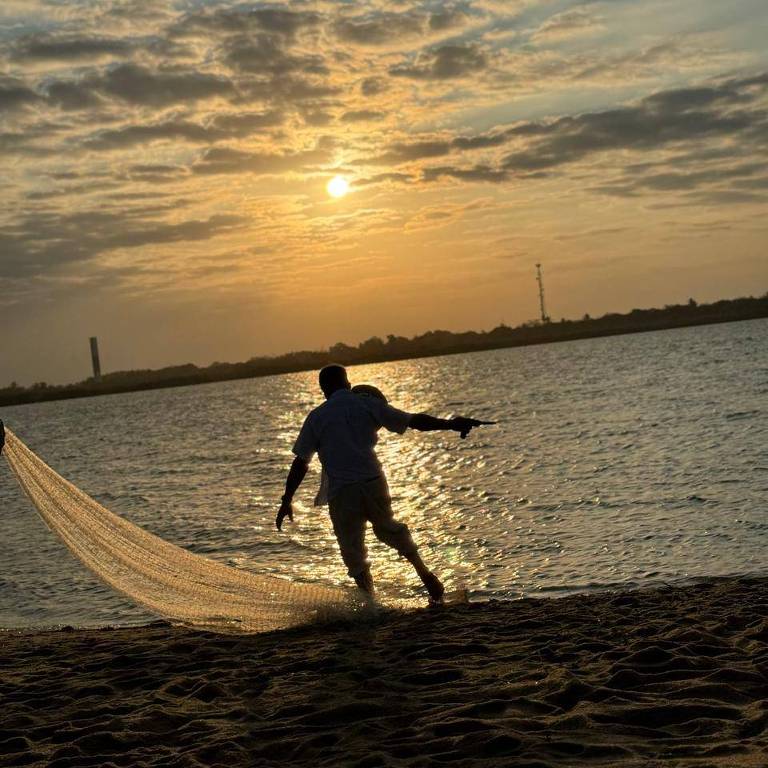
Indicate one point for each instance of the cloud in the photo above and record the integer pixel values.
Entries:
(45, 241)
(225, 160)
(14, 94)
(575, 21)
(68, 48)
(128, 136)
(381, 178)
(72, 96)
(406, 152)
(672, 180)
(240, 124)
(287, 89)
(447, 18)
(265, 54)
(373, 86)
(24, 142)
(155, 173)
(379, 28)
(361, 115)
(475, 173)
(232, 21)
(444, 63)
(659, 120)
(662, 119)
(221, 127)
(140, 86)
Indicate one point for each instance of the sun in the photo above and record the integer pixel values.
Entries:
(338, 186)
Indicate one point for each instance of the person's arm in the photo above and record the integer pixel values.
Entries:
(423, 422)
(295, 475)
(2, 435)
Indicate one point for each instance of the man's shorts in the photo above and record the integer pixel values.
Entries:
(351, 508)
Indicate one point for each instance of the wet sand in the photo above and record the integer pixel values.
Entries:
(672, 677)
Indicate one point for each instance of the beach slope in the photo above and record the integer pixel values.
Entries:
(670, 677)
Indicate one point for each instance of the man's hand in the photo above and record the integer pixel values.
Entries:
(286, 510)
(464, 425)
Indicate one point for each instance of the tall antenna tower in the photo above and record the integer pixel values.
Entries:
(540, 280)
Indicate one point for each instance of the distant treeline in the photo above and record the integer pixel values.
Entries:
(376, 350)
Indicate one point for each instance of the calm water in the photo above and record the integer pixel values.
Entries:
(619, 462)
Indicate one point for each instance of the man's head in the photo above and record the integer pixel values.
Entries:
(333, 378)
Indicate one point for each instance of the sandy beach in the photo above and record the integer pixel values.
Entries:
(670, 677)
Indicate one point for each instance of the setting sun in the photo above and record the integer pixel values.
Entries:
(338, 186)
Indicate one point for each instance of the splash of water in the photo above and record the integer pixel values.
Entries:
(186, 588)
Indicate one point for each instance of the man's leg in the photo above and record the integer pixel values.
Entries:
(364, 581)
(396, 534)
(431, 582)
(348, 518)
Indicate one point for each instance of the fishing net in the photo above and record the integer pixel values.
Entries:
(184, 587)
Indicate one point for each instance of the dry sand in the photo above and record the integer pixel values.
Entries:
(674, 677)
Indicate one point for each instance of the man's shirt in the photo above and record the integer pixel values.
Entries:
(343, 432)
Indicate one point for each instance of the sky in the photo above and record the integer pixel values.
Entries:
(165, 169)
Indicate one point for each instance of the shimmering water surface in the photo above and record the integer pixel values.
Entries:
(618, 462)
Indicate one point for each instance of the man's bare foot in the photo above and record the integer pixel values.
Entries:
(365, 582)
(434, 586)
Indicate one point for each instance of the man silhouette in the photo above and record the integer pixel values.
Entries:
(343, 432)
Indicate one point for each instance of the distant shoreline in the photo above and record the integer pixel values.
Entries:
(375, 350)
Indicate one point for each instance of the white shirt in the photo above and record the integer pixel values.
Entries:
(343, 432)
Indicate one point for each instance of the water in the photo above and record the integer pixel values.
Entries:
(618, 463)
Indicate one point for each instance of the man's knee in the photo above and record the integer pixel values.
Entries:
(355, 558)
(396, 535)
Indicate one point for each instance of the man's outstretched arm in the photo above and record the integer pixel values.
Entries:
(295, 475)
(426, 423)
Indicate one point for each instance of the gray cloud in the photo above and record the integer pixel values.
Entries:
(657, 121)
(266, 54)
(71, 96)
(379, 28)
(140, 86)
(317, 117)
(24, 142)
(406, 152)
(287, 89)
(373, 86)
(225, 160)
(567, 23)
(234, 21)
(672, 180)
(221, 127)
(15, 94)
(361, 115)
(682, 117)
(475, 173)
(444, 63)
(447, 18)
(47, 241)
(241, 124)
(128, 136)
(380, 178)
(155, 173)
(68, 48)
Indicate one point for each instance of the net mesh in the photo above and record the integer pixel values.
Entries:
(184, 587)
